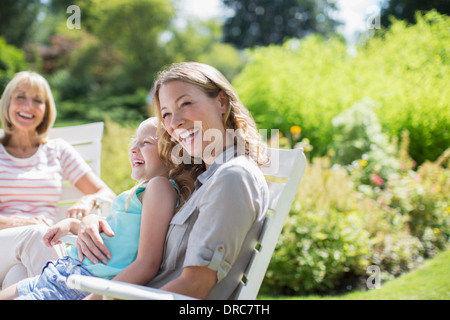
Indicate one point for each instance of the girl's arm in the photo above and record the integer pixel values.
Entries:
(59, 230)
(158, 205)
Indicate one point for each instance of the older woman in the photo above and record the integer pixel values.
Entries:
(32, 169)
(210, 239)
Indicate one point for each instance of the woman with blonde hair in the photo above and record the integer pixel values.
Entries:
(210, 239)
(32, 170)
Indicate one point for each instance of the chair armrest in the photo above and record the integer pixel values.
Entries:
(120, 290)
(102, 206)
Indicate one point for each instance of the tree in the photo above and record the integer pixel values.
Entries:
(262, 22)
(17, 18)
(12, 60)
(132, 29)
(406, 9)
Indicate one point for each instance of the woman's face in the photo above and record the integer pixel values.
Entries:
(193, 119)
(144, 159)
(26, 108)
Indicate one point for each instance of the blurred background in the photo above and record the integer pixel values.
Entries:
(362, 86)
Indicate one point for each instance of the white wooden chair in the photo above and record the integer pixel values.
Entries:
(283, 176)
(87, 140)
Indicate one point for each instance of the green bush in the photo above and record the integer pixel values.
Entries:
(12, 60)
(339, 225)
(324, 240)
(316, 250)
(123, 109)
(308, 82)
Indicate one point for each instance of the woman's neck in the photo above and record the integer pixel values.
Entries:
(22, 144)
(228, 142)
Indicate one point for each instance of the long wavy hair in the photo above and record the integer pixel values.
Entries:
(212, 82)
(39, 84)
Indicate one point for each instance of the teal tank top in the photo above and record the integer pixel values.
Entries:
(125, 242)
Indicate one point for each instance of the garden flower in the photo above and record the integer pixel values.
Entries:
(296, 130)
(376, 179)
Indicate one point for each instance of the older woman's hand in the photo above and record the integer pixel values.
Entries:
(89, 243)
(81, 208)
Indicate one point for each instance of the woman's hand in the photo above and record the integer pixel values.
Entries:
(89, 243)
(57, 231)
(81, 208)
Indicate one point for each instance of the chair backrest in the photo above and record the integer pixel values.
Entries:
(283, 176)
(87, 140)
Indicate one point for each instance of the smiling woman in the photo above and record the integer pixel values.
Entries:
(32, 170)
(30, 110)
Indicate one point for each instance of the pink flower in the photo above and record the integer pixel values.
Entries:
(376, 179)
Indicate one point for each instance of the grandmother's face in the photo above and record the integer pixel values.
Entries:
(26, 108)
(193, 119)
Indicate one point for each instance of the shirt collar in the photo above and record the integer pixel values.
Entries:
(222, 158)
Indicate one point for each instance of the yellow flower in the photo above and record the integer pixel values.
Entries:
(331, 153)
(436, 230)
(363, 163)
(295, 130)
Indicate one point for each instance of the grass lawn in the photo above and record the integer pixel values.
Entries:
(431, 281)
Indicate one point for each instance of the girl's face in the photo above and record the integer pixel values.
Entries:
(26, 108)
(144, 158)
(192, 118)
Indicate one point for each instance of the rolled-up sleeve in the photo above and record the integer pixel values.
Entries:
(228, 210)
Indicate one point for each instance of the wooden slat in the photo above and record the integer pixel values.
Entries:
(281, 162)
(84, 133)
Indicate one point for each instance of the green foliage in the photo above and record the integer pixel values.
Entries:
(122, 109)
(310, 81)
(341, 222)
(262, 22)
(17, 20)
(116, 169)
(201, 41)
(120, 48)
(429, 282)
(133, 28)
(316, 250)
(359, 142)
(12, 60)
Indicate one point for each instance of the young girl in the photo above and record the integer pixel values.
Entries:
(139, 220)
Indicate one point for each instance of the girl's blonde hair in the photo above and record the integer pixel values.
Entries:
(39, 84)
(212, 82)
(184, 176)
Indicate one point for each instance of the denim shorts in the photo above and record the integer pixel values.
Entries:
(51, 283)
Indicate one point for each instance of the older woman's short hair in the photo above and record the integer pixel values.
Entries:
(39, 84)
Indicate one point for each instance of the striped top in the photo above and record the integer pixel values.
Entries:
(32, 186)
